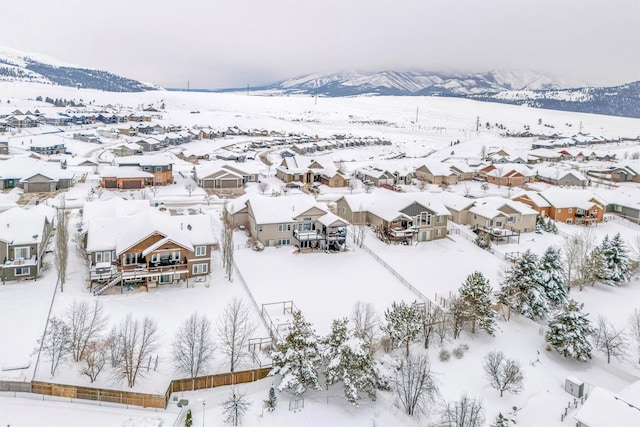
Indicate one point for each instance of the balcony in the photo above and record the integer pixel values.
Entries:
(28, 262)
(307, 236)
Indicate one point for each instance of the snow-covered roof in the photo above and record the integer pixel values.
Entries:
(273, 210)
(455, 201)
(112, 233)
(570, 198)
(545, 153)
(558, 174)
(388, 204)
(438, 168)
(23, 167)
(604, 409)
(505, 169)
(622, 196)
(330, 219)
(160, 159)
(124, 172)
(535, 197)
(24, 226)
(490, 207)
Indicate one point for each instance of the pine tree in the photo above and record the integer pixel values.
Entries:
(523, 289)
(188, 422)
(296, 357)
(348, 360)
(404, 323)
(553, 280)
(569, 332)
(476, 293)
(272, 400)
(617, 267)
(502, 421)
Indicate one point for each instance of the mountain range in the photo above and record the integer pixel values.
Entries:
(512, 87)
(20, 66)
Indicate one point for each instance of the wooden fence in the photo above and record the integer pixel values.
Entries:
(145, 400)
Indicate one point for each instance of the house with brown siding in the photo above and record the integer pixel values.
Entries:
(534, 200)
(159, 165)
(491, 213)
(510, 175)
(574, 206)
(138, 244)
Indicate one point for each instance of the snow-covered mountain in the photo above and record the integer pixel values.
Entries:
(417, 83)
(20, 66)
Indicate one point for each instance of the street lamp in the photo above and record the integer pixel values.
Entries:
(204, 405)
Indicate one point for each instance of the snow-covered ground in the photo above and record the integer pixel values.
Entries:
(323, 286)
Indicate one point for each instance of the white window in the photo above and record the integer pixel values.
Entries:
(158, 179)
(343, 210)
(199, 268)
(158, 169)
(569, 221)
(21, 252)
(559, 210)
(22, 271)
(98, 256)
(284, 227)
(201, 250)
(511, 219)
(284, 241)
(439, 219)
(258, 228)
(570, 210)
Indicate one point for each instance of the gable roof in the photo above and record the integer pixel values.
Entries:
(571, 198)
(24, 226)
(273, 210)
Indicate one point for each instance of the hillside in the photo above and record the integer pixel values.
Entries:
(23, 67)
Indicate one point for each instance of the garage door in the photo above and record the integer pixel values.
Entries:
(38, 187)
(110, 183)
(128, 185)
(207, 183)
(229, 183)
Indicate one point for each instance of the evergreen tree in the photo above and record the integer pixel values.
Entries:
(404, 323)
(272, 400)
(476, 293)
(553, 280)
(349, 361)
(594, 267)
(617, 267)
(569, 332)
(523, 289)
(502, 421)
(297, 356)
(188, 422)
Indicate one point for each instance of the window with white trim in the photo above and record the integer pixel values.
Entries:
(284, 227)
(284, 241)
(201, 250)
(570, 210)
(199, 268)
(158, 169)
(21, 252)
(22, 271)
(158, 179)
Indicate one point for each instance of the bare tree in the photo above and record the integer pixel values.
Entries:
(193, 345)
(353, 184)
(155, 189)
(366, 323)
(263, 187)
(235, 407)
(634, 327)
(227, 242)
(579, 257)
(610, 340)
(95, 358)
(138, 340)
(415, 384)
(55, 342)
(483, 152)
(99, 191)
(61, 254)
(114, 347)
(432, 320)
(504, 374)
(422, 185)
(359, 233)
(234, 330)
(466, 412)
(85, 322)
(190, 187)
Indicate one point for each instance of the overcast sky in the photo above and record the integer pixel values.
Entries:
(232, 43)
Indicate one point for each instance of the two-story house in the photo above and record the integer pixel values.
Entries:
(24, 234)
(574, 206)
(138, 244)
(159, 165)
(397, 217)
(294, 220)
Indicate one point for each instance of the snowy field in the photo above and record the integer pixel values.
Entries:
(323, 286)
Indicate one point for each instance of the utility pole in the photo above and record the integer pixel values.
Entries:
(247, 89)
(187, 85)
(477, 123)
(417, 109)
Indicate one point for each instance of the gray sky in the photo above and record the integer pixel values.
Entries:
(232, 43)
